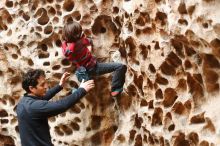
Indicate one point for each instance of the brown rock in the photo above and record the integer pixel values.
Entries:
(170, 97)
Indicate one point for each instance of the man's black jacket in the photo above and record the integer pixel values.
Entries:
(33, 113)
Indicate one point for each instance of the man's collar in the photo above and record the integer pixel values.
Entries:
(32, 96)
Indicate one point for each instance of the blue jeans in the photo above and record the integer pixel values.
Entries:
(118, 70)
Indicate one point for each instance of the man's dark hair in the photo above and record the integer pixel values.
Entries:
(30, 78)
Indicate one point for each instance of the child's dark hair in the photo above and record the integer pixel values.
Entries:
(30, 78)
(72, 32)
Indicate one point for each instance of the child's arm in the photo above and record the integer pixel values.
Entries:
(90, 48)
(89, 43)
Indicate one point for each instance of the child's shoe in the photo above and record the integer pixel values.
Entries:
(116, 93)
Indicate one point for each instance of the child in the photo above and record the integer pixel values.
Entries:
(76, 48)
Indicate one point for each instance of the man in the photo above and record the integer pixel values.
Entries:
(34, 108)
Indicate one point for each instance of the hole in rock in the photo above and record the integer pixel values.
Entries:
(46, 63)
(9, 4)
(56, 67)
(14, 56)
(65, 62)
(48, 29)
(68, 5)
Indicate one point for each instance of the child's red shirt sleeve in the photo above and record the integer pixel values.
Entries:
(68, 50)
(88, 42)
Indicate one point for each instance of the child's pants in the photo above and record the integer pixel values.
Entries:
(118, 78)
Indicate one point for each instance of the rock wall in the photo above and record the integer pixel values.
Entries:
(172, 51)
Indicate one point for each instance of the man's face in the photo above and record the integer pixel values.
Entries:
(41, 88)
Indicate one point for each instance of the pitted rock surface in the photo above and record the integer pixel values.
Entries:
(172, 51)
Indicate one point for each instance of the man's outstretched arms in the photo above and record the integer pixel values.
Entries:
(51, 108)
(53, 91)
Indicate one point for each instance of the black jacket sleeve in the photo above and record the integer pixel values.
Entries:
(52, 92)
(45, 108)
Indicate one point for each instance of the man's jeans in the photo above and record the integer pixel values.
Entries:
(118, 78)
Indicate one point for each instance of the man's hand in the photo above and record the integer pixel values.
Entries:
(63, 79)
(88, 85)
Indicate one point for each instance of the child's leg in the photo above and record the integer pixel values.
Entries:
(118, 78)
(81, 73)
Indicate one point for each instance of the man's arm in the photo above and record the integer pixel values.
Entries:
(53, 91)
(47, 109)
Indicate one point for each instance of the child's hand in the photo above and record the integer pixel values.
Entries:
(88, 85)
(89, 48)
(63, 79)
